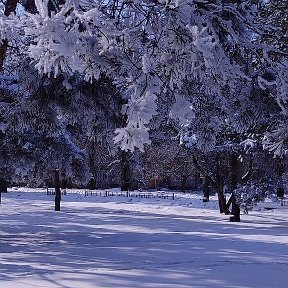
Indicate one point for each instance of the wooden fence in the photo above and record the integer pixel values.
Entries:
(51, 191)
(128, 194)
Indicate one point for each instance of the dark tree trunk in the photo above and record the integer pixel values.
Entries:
(64, 183)
(3, 187)
(222, 204)
(235, 211)
(125, 170)
(69, 183)
(92, 184)
(280, 169)
(221, 197)
(57, 191)
(10, 7)
(206, 190)
(184, 182)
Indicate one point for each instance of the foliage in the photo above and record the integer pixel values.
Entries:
(247, 196)
(149, 47)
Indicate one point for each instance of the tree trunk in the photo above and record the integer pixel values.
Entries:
(280, 169)
(235, 211)
(184, 182)
(92, 184)
(3, 187)
(222, 204)
(125, 170)
(57, 191)
(206, 192)
(221, 197)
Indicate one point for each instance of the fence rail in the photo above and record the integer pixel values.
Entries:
(127, 194)
(51, 191)
(147, 195)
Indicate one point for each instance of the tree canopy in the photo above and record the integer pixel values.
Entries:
(225, 49)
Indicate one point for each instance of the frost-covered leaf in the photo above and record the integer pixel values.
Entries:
(129, 138)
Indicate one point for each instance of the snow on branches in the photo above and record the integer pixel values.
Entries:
(150, 48)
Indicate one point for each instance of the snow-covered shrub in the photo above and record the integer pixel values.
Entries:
(247, 196)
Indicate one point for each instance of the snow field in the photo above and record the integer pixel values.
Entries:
(97, 242)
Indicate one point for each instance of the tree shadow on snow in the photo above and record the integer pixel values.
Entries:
(102, 247)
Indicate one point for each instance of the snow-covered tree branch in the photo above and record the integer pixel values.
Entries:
(150, 48)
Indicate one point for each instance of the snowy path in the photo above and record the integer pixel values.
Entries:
(98, 242)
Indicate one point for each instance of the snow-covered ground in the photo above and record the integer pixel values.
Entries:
(135, 243)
